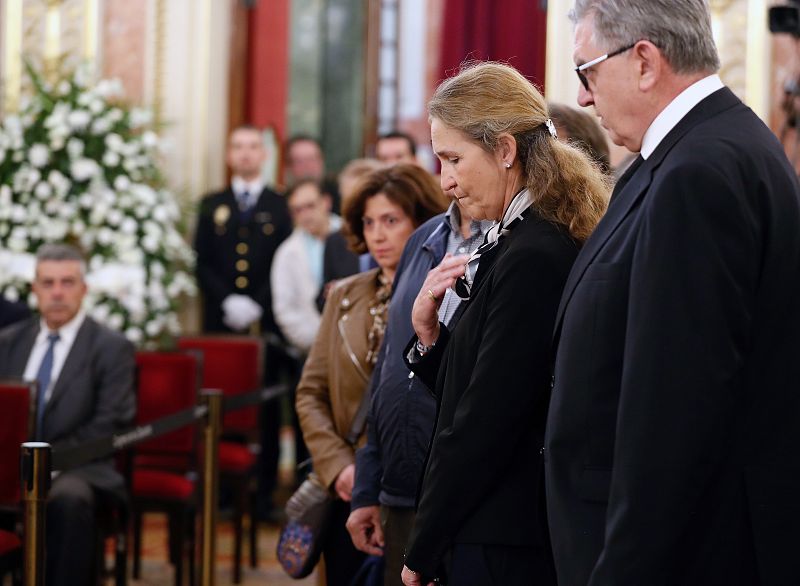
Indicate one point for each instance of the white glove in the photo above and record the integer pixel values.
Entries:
(240, 311)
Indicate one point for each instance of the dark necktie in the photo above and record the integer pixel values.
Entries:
(245, 209)
(43, 380)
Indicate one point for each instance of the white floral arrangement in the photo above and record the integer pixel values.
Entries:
(78, 166)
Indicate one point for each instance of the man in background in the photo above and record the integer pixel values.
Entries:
(396, 147)
(297, 273)
(85, 376)
(303, 159)
(238, 231)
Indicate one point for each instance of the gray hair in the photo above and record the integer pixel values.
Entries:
(681, 29)
(59, 252)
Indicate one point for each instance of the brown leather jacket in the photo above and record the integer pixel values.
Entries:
(336, 374)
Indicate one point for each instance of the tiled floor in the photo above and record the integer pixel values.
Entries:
(156, 571)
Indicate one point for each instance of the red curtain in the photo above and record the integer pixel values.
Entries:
(512, 31)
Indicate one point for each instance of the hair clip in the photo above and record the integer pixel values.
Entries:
(551, 128)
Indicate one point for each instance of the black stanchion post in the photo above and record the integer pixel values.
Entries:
(212, 399)
(35, 465)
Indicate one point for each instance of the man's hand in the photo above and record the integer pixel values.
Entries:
(364, 525)
(424, 314)
(411, 578)
(344, 482)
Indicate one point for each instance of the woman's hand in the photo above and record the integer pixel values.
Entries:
(412, 578)
(364, 525)
(344, 482)
(424, 316)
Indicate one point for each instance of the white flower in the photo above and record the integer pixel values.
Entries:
(43, 190)
(129, 226)
(83, 169)
(110, 159)
(114, 217)
(78, 226)
(55, 229)
(122, 183)
(100, 126)
(134, 335)
(79, 119)
(105, 236)
(64, 88)
(75, 147)
(150, 139)
(140, 117)
(114, 142)
(115, 115)
(160, 214)
(11, 293)
(115, 321)
(38, 155)
(96, 106)
(17, 266)
(100, 312)
(18, 214)
(150, 243)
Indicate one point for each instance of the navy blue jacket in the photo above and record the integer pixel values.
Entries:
(403, 410)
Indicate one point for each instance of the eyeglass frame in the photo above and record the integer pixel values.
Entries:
(581, 68)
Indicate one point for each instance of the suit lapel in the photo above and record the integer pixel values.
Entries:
(78, 355)
(635, 187)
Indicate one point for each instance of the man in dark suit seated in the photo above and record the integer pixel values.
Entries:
(85, 375)
(12, 312)
(674, 424)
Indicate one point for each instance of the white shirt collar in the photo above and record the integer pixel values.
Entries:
(67, 333)
(676, 110)
(254, 187)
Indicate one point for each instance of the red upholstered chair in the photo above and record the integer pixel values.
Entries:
(164, 468)
(16, 423)
(234, 365)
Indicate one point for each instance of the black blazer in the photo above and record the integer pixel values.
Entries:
(235, 256)
(674, 427)
(492, 376)
(93, 396)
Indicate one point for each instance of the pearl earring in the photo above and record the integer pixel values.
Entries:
(508, 165)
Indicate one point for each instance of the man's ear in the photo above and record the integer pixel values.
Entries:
(506, 149)
(651, 64)
(328, 201)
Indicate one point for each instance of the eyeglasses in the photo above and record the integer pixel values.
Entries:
(581, 68)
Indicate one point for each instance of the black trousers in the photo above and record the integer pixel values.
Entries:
(397, 523)
(342, 559)
(71, 531)
(500, 565)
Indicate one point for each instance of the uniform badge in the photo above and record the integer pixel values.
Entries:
(221, 215)
(262, 217)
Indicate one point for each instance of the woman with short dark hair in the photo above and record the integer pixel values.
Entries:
(386, 207)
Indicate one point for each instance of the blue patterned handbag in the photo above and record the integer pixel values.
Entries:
(302, 538)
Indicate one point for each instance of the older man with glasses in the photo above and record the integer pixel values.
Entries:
(672, 436)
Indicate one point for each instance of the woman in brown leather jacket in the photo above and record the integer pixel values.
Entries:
(385, 209)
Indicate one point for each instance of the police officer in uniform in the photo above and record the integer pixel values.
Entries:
(238, 231)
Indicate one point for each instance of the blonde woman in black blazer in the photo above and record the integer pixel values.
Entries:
(479, 517)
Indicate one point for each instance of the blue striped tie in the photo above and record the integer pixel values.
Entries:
(43, 380)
